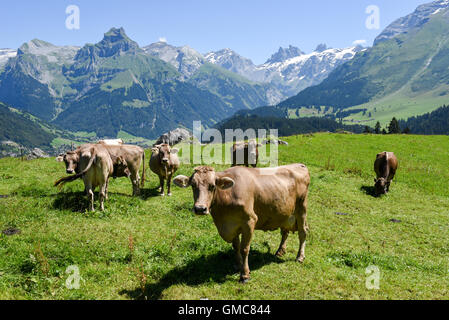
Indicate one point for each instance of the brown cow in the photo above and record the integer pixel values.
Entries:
(385, 167)
(164, 162)
(242, 200)
(133, 155)
(95, 166)
(245, 153)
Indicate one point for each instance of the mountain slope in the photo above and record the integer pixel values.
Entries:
(409, 67)
(33, 80)
(185, 59)
(132, 91)
(236, 90)
(21, 130)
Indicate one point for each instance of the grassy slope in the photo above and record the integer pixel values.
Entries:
(182, 256)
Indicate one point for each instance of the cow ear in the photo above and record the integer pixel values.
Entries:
(182, 181)
(224, 183)
(375, 180)
(154, 150)
(60, 158)
(174, 150)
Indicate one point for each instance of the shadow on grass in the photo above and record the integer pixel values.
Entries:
(74, 201)
(79, 201)
(213, 268)
(370, 191)
(149, 193)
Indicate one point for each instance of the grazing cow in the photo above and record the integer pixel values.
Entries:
(133, 155)
(385, 167)
(164, 162)
(242, 200)
(111, 142)
(95, 166)
(245, 153)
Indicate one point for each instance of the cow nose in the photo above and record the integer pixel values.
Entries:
(200, 209)
(165, 160)
(70, 171)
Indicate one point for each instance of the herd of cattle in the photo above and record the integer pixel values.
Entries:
(239, 199)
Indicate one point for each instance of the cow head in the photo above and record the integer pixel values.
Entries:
(71, 159)
(204, 183)
(121, 167)
(163, 151)
(380, 186)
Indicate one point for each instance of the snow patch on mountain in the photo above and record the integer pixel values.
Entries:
(5, 54)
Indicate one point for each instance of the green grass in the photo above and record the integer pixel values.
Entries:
(156, 248)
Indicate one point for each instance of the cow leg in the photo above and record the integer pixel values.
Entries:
(135, 179)
(247, 234)
(169, 185)
(102, 195)
(238, 256)
(301, 220)
(91, 198)
(283, 245)
(161, 187)
(106, 189)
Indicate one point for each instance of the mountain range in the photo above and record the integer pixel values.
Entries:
(288, 71)
(114, 85)
(404, 74)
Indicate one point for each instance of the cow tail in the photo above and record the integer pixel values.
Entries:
(143, 171)
(64, 180)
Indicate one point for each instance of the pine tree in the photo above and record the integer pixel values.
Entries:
(394, 128)
(367, 130)
(377, 128)
(406, 130)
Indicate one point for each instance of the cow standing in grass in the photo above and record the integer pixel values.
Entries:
(164, 162)
(242, 200)
(95, 167)
(245, 153)
(385, 167)
(133, 155)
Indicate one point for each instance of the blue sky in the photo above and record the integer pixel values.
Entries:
(255, 29)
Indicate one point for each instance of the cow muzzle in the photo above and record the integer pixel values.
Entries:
(70, 171)
(200, 210)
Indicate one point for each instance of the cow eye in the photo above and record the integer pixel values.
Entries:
(211, 187)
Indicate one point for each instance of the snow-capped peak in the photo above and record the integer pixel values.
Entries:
(5, 54)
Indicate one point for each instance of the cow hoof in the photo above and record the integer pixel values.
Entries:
(162, 195)
(280, 253)
(244, 280)
(300, 259)
(169, 194)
